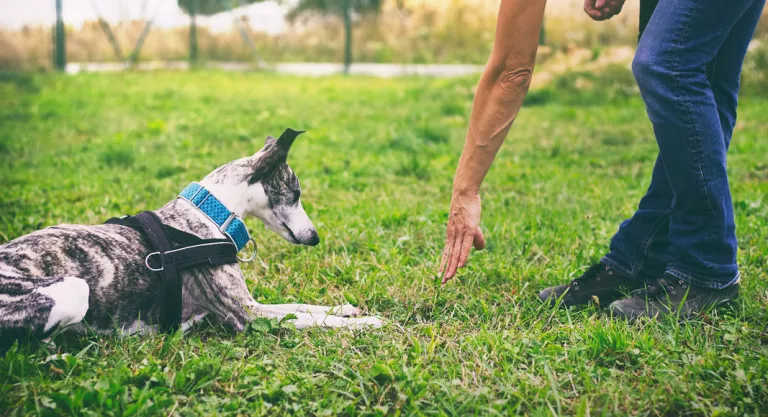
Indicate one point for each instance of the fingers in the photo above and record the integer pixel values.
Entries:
(453, 260)
(466, 246)
(603, 9)
(446, 250)
(457, 250)
(595, 9)
(479, 239)
(616, 6)
(590, 9)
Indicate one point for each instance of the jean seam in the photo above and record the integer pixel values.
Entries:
(689, 114)
(714, 68)
(682, 275)
(646, 243)
(635, 268)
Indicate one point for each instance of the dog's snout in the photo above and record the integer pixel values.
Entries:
(314, 239)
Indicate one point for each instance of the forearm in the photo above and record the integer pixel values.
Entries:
(494, 110)
(501, 90)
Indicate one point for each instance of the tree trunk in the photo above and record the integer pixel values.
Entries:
(60, 53)
(193, 33)
(347, 37)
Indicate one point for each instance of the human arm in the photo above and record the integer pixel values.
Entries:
(498, 98)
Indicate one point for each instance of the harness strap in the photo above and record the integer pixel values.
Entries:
(170, 291)
(172, 251)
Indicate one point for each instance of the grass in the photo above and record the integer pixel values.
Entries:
(376, 168)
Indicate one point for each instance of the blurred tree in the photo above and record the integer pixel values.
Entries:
(211, 7)
(342, 8)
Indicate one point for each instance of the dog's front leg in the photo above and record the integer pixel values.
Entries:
(346, 310)
(305, 320)
(222, 292)
(225, 295)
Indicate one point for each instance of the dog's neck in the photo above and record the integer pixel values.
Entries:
(185, 216)
(233, 196)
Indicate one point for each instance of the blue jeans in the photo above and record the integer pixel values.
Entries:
(688, 65)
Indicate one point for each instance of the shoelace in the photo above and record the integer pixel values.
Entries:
(662, 287)
(592, 273)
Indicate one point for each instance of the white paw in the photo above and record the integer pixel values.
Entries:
(363, 322)
(70, 298)
(347, 310)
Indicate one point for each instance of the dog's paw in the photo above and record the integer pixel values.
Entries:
(363, 322)
(347, 310)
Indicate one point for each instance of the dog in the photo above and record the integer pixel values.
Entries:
(99, 277)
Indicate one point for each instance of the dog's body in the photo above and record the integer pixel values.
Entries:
(61, 275)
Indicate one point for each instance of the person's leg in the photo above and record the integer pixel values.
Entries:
(670, 66)
(639, 248)
(724, 72)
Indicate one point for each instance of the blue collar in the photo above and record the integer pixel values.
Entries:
(228, 222)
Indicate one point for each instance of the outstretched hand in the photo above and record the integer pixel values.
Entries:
(463, 232)
(602, 9)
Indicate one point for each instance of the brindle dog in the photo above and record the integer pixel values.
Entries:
(95, 276)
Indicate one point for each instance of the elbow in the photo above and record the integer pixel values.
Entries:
(514, 80)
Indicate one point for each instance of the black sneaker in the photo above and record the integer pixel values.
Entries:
(599, 281)
(670, 295)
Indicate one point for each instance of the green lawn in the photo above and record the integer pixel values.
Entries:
(376, 168)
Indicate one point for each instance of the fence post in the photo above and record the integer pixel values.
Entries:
(347, 37)
(193, 33)
(60, 52)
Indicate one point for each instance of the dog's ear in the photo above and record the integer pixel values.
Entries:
(275, 154)
(286, 140)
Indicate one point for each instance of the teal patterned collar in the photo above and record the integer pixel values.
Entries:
(229, 223)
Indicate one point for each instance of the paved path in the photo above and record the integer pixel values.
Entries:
(308, 69)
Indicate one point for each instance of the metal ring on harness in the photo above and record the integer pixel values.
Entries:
(146, 261)
(255, 251)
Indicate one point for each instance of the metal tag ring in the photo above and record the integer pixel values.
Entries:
(253, 255)
(146, 261)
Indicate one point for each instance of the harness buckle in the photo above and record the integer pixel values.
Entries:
(146, 261)
(253, 255)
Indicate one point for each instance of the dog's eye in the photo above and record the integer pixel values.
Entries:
(296, 195)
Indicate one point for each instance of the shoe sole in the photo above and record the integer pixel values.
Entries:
(617, 312)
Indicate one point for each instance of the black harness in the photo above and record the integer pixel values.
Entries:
(174, 250)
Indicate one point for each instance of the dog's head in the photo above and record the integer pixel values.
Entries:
(264, 186)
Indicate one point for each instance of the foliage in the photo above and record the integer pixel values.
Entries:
(334, 7)
(755, 71)
(376, 165)
(211, 7)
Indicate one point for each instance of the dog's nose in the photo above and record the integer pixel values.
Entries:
(314, 239)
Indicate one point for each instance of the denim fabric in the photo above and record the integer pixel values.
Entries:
(688, 66)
